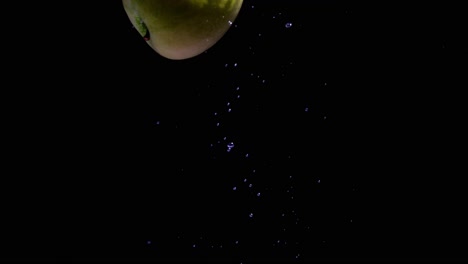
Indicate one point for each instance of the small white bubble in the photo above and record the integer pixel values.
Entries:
(258, 194)
(237, 242)
(259, 34)
(230, 22)
(237, 89)
(238, 96)
(250, 185)
(247, 155)
(245, 180)
(228, 104)
(251, 215)
(253, 6)
(224, 138)
(157, 123)
(318, 181)
(229, 110)
(217, 124)
(234, 188)
(235, 64)
(230, 146)
(306, 109)
(194, 245)
(215, 113)
(288, 25)
(225, 65)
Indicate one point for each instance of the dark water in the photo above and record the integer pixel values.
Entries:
(328, 109)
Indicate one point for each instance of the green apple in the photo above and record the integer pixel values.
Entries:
(181, 29)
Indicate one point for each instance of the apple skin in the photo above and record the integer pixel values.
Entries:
(182, 29)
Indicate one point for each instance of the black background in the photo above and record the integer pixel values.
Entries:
(108, 143)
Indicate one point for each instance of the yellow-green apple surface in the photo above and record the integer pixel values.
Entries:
(181, 29)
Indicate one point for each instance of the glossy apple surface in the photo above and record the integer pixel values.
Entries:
(181, 29)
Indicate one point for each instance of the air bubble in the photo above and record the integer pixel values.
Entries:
(230, 146)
